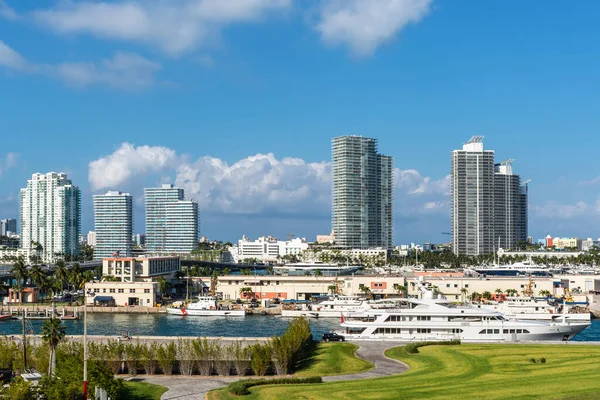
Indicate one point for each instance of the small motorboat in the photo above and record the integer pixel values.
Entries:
(4, 317)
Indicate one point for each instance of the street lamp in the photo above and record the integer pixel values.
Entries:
(85, 347)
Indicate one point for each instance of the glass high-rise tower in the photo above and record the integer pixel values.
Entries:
(362, 193)
(172, 223)
(489, 205)
(50, 216)
(113, 224)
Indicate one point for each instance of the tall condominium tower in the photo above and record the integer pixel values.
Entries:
(362, 193)
(172, 223)
(472, 200)
(8, 225)
(510, 207)
(113, 224)
(50, 215)
(489, 203)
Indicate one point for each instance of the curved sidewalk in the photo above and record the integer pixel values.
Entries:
(196, 387)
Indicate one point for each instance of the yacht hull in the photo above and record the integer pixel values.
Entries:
(205, 313)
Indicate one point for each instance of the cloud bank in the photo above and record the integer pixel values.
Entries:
(258, 184)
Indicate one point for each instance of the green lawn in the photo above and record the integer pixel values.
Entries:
(468, 372)
(142, 391)
(333, 359)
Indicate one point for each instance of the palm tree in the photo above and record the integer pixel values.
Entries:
(245, 291)
(19, 272)
(364, 289)
(464, 292)
(545, 293)
(61, 273)
(486, 295)
(499, 292)
(53, 332)
(38, 276)
(76, 276)
(332, 289)
(163, 285)
(399, 289)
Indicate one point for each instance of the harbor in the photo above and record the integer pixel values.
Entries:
(138, 324)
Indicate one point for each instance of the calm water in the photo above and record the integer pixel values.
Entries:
(168, 325)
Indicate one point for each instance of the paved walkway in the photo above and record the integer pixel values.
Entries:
(196, 387)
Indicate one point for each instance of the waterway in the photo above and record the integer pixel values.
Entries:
(169, 325)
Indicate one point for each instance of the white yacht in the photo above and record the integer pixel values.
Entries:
(516, 269)
(205, 306)
(542, 309)
(332, 308)
(435, 319)
(302, 268)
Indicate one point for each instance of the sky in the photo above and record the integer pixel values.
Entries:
(237, 102)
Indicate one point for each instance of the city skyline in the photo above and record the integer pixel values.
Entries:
(242, 118)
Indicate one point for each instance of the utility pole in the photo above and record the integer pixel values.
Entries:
(85, 347)
(24, 342)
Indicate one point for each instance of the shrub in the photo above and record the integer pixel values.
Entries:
(224, 359)
(133, 354)
(204, 353)
(241, 358)
(166, 355)
(185, 355)
(240, 388)
(260, 358)
(148, 358)
(543, 360)
(413, 348)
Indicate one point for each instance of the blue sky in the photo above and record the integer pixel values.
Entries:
(238, 101)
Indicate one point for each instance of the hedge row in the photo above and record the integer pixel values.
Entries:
(240, 388)
(413, 348)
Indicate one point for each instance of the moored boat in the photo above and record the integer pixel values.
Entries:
(432, 319)
(206, 306)
(332, 308)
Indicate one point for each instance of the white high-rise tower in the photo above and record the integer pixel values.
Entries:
(50, 216)
(113, 222)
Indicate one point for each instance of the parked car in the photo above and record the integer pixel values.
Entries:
(333, 337)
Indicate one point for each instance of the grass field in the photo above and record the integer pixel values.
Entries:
(468, 372)
(333, 359)
(142, 391)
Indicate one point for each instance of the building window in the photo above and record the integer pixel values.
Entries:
(112, 290)
(147, 301)
(96, 290)
(104, 290)
(131, 290)
(146, 290)
(121, 290)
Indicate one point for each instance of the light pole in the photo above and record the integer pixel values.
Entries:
(85, 347)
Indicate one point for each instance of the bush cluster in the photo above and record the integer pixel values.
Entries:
(240, 388)
(539, 360)
(413, 348)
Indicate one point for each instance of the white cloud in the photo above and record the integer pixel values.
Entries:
(365, 25)
(9, 161)
(124, 71)
(6, 12)
(553, 210)
(126, 162)
(11, 59)
(174, 27)
(412, 182)
(256, 184)
(127, 71)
